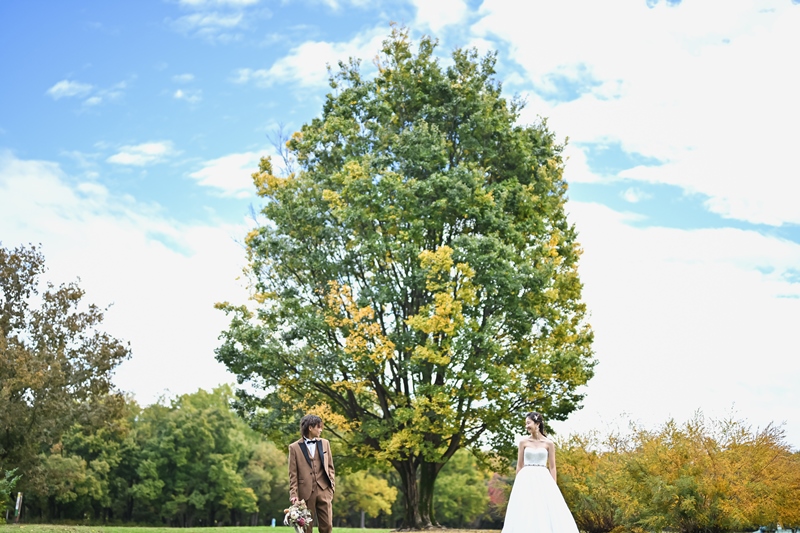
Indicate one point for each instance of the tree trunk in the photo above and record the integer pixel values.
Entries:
(418, 493)
(428, 473)
(408, 475)
(362, 519)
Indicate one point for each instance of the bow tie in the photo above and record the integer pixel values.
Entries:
(311, 441)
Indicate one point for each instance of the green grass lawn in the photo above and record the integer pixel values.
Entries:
(45, 528)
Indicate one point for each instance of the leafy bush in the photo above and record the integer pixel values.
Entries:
(7, 484)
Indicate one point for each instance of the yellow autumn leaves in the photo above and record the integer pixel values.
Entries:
(697, 476)
(451, 286)
(363, 336)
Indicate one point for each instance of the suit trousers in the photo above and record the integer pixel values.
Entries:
(321, 507)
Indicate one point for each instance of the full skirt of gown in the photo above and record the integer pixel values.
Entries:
(536, 504)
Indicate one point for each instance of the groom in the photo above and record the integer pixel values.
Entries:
(311, 473)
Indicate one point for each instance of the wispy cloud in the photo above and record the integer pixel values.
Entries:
(305, 64)
(193, 96)
(231, 175)
(69, 88)
(207, 3)
(440, 13)
(115, 92)
(338, 4)
(635, 195)
(210, 21)
(92, 95)
(260, 77)
(214, 26)
(218, 21)
(142, 154)
(183, 78)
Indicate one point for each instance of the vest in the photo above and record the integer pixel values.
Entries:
(318, 469)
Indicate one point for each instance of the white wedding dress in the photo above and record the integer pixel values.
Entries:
(536, 504)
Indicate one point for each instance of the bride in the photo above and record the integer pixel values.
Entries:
(536, 504)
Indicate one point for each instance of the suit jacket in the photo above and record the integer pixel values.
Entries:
(301, 474)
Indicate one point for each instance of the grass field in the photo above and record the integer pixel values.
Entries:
(45, 528)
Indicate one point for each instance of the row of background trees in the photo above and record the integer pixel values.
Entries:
(196, 462)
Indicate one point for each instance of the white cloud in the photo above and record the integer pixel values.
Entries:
(440, 13)
(635, 195)
(576, 168)
(191, 96)
(687, 320)
(230, 174)
(212, 25)
(162, 276)
(183, 78)
(67, 88)
(305, 64)
(211, 20)
(206, 3)
(245, 75)
(338, 4)
(217, 20)
(704, 87)
(142, 154)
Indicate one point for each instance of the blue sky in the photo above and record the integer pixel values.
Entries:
(128, 132)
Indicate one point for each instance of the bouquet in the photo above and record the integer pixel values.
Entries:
(298, 516)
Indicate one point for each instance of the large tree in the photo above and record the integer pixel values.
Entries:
(415, 275)
(56, 363)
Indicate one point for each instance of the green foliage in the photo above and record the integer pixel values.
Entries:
(417, 277)
(7, 484)
(462, 494)
(193, 461)
(193, 455)
(55, 364)
(362, 491)
(266, 474)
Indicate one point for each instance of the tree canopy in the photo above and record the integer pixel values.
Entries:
(56, 363)
(416, 275)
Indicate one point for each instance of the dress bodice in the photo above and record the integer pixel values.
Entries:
(536, 504)
(535, 456)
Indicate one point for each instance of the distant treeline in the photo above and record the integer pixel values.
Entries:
(194, 462)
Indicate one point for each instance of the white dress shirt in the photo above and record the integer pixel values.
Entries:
(311, 444)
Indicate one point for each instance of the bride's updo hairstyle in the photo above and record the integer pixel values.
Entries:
(538, 420)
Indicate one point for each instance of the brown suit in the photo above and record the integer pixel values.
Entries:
(313, 480)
